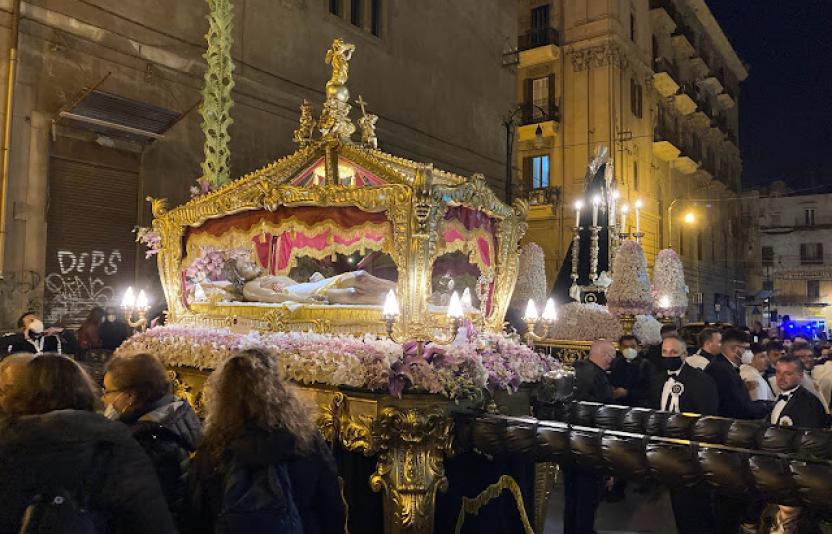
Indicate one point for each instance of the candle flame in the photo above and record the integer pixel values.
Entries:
(531, 312)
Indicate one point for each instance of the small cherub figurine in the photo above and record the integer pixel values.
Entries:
(368, 130)
(304, 132)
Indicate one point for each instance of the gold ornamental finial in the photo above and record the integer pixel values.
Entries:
(335, 121)
(306, 124)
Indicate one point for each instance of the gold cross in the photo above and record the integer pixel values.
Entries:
(362, 103)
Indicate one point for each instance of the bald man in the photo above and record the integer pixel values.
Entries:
(582, 486)
(11, 369)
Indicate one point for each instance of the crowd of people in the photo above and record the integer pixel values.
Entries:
(130, 457)
(735, 373)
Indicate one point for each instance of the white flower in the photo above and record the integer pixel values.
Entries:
(629, 293)
(531, 279)
(648, 330)
(585, 322)
(669, 290)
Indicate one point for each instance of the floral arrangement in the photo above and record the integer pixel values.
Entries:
(629, 293)
(211, 264)
(531, 284)
(648, 330)
(149, 238)
(579, 321)
(475, 361)
(670, 297)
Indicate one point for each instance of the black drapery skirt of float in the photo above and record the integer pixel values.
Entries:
(595, 185)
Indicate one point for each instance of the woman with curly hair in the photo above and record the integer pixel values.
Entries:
(262, 462)
(58, 455)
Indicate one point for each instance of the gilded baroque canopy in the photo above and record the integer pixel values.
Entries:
(231, 257)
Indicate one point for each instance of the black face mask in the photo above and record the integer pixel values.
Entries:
(672, 363)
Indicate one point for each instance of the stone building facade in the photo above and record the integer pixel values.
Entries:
(657, 82)
(789, 260)
(133, 70)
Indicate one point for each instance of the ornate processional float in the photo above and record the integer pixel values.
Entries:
(381, 284)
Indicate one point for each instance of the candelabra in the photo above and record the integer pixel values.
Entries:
(547, 320)
(576, 252)
(133, 305)
(593, 253)
(483, 290)
(390, 314)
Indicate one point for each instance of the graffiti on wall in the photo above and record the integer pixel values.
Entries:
(82, 281)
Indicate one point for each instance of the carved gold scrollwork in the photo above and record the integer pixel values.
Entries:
(410, 469)
(473, 506)
(337, 425)
(186, 392)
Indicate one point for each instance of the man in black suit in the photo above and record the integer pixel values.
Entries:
(582, 486)
(34, 338)
(654, 353)
(631, 373)
(686, 389)
(731, 511)
(796, 406)
(734, 400)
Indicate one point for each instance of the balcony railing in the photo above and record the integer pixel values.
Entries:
(538, 37)
(533, 113)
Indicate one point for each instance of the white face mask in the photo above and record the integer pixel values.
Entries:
(747, 357)
(110, 412)
(111, 318)
(629, 353)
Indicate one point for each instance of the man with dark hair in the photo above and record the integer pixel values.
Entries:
(33, 337)
(710, 344)
(630, 373)
(654, 353)
(731, 511)
(734, 400)
(794, 407)
(774, 350)
(686, 389)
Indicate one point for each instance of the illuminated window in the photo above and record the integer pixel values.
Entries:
(539, 172)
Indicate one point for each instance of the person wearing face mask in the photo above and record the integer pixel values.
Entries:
(734, 399)
(113, 330)
(630, 373)
(33, 337)
(754, 362)
(137, 392)
(685, 388)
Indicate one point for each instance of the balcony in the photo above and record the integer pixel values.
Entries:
(663, 146)
(664, 79)
(711, 84)
(543, 196)
(725, 100)
(538, 46)
(535, 114)
(682, 45)
(538, 37)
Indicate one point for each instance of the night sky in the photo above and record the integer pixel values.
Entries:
(786, 102)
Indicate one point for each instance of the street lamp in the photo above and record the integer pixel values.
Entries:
(509, 121)
(689, 218)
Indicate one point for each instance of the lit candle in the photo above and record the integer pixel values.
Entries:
(531, 312)
(615, 195)
(550, 315)
(129, 300)
(624, 209)
(664, 302)
(455, 307)
(142, 302)
(596, 201)
(638, 216)
(578, 205)
(391, 306)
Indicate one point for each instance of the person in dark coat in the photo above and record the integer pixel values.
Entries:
(654, 352)
(53, 442)
(255, 420)
(732, 511)
(631, 373)
(582, 486)
(686, 389)
(114, 331)
(88, 334)
(734, 399)
(795, 406)
(33, 337)
(137, 392)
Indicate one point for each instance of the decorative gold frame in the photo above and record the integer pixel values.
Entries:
(414, 198)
